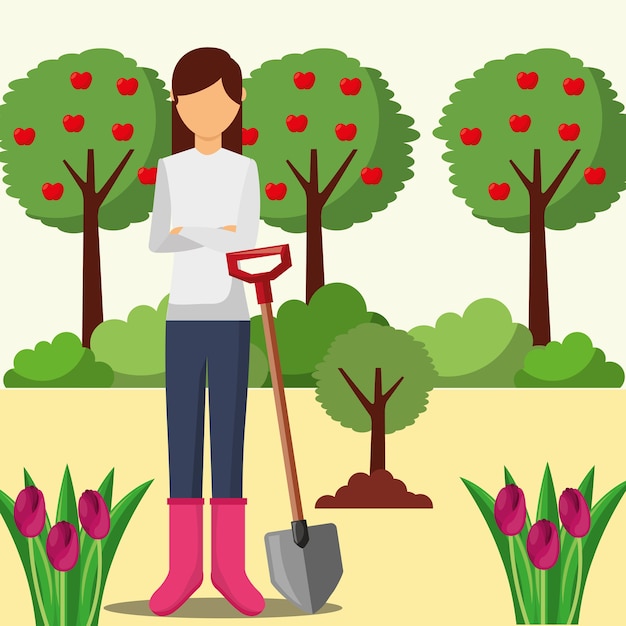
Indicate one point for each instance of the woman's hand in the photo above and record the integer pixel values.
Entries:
(176, 230)
(231, 227)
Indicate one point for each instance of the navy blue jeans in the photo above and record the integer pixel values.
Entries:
(193, 349)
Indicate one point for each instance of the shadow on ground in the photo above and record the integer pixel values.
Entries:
(216, 608)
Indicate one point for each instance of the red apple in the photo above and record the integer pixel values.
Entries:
(304, 81)
(296, 123)
(276, 191)
(122, 132)
(345, 132)
(569, 132)
(127, 86)
(595, 176)
(573, 86)
(371, 176)
(471, 136)
(24, 136)
(73, 123)
(147, 175)
(527, 81)
(499, 191)
(80, 81)
(249, 136)
(519, 123)
(350, 86)
(52, 191)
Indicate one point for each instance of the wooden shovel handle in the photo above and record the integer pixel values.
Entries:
(281, 411)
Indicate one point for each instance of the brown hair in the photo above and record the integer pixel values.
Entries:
(198, 70)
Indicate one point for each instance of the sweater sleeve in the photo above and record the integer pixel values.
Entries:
(161, 240)
(247, 222)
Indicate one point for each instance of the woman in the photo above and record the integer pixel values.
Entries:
(209, 192)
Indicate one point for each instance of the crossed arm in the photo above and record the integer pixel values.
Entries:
(228, 238)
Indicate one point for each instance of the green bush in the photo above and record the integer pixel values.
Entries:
(305, 331)
(134, 348)
(481, 348)
(573, 363)
(259, 369)
(62, 363)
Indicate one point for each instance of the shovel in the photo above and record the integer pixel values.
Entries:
(304, 562)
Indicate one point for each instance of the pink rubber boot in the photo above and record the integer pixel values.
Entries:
(185, 573)
(228, 569)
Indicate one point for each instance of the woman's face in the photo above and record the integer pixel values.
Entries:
(209, 112)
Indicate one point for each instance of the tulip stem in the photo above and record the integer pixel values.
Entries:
(579, 580)
(62, 599)
(34, 574)
(86, 569)
(94, 603)
(544, 617)
(518, 590)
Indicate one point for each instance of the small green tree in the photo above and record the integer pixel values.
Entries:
(81, 136)
(375, 378)
(536, 141)
(331, 147)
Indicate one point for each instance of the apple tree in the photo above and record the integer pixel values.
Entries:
(81, 136)
(330, 144)
(536, 141)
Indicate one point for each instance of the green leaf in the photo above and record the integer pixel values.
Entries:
(120, 517)
(88, 594)
(524, 566)
(486, 504)
(21, 544)
(600, 515)
(547, 509)
(569, 572)
(106, 488)
(67, 511)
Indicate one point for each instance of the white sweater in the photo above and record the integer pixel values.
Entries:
(203, 193)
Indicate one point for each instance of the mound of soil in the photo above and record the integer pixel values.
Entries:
(378, 490)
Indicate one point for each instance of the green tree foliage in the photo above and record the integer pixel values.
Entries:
(375, 378)
(74, 140)
(305, 331)
(320, 163)
(572, 363)
(64, 362)
(481, 348)
(547, 132)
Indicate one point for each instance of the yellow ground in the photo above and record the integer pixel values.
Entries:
(438, 567)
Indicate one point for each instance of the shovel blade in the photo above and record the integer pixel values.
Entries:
(305, 576)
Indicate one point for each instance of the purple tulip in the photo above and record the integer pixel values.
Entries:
(94, 514)
(62, 546)
(542, 544)
(574, 513)
(510, 510)
(29, 512)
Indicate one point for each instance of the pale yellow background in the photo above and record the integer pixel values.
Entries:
(402, 567)
(438, 567)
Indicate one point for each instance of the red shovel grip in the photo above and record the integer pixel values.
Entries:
(262, 279)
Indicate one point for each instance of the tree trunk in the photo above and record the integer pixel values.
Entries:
(538, 303)
(314, 246)
(377, 445)
(92, 201)
(92, 278)
(315, 201)
(376, 409)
